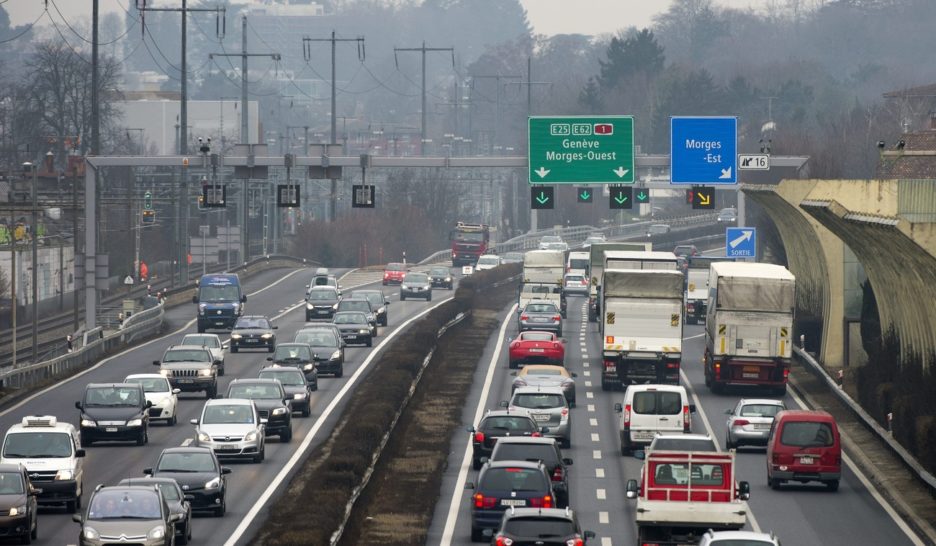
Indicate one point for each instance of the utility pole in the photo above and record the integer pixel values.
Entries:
(75, 323)
(307, 54)
(95, 108)
(220, 26)
(529, 83)
(423, 50)
(34, 235)
(497, 80)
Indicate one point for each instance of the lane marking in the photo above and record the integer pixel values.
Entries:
(596, 454)
(605, 541)
(694, 337)
(187, 442)
(593, 422)
(588, 383)
(586, 373)
(595, 438)
(603, 517)
(454, 502)
(299, 455)
(584, 364)
(591, 408)
(601, 494)
(599, 473)
(589, 394)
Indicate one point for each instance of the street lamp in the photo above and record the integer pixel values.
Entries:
(28, 168)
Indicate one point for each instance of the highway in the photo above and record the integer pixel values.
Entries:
(800, 515)
(277, 294)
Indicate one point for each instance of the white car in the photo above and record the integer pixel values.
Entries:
(488, 261)
(731, 538)
(210, 341)
(156, 389)
(552, 242)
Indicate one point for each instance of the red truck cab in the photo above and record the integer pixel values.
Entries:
(469, 242)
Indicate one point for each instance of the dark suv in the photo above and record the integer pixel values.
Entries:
(440, 277)
(299, 356)
(114, 411)
(327, 348)
(271, 401)
(545, 450)
(552, 527)
(363, 305)
(321, 302)
(505, 484)
(499, 424)
(379, 302)
(198, 472)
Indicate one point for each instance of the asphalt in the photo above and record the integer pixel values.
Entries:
(277, 294)
(800, 515)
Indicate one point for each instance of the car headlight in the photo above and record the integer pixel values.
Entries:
(364, 331)
(309, 367)
(88, 423)
(335, 307)
(201, 308)
(448, 279)
(336, 355)
(213, 484)
(235, 336)
(206, 372)
(266, 336)
(404, 287)
(279, 411)
(309, 306)
(135, 423)
(235, 307)
(165, 373)
(203, 437)
(299, 396)
(90, 534)
(17, 510)
(64, 474)
(250, 436)
(157, 533)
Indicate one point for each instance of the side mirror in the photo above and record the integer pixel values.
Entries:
(175, 518)
(244, 298)
(194, 299)
(544, 430)
(35, 491)
(484, 460)
(514, 374)
(470, 430)
(567, 461)
(504, 404)
(176, 391)
(631, 489)
(744, 490)
(469, 485)
(78, 405)
(269, 359)
(79, 453)
(148, 471)
(640, 454)
(692, 408)
(618, 408)
(156, 363)
(149, 404)
(589, 534)
(574, 374)
(225, 470)
(76, 518)
(729, 411)
(276, 327)
(193, 421)
(386, 301)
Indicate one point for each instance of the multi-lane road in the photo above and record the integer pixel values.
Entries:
(800, 515)
(277, 294)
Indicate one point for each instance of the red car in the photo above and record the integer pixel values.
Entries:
(535, 347)
(394, 273)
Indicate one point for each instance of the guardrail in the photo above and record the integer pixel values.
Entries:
(813, 366)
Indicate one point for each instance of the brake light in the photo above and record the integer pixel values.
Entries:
(503, 541)
(545, 502)
(686, 423)
(740, 422)
(555, 345)
(717, 367)
(690, 307)
(672, 365)
(557, 474)
(524, 317)
(536, 435)
(557, 318)
(565, 412)
(575, 542)
(627, 416)
(479, 437)
(480, 501)
(786, 373)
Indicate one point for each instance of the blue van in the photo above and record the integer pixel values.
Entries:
(220, 301)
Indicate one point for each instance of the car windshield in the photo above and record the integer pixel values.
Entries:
(807, 434)
(354, 305)
(542, 372)
(684, 444)
(760, 410)
(396, 267)
(439, 272)
(525, 452)
(508, 423)
(218, 293)
(38, 445)
(541, 308)
(578, 263)
(151, 384)
(488, 260)
(292, 352)
(250, 322)
(205, 341)
(468, 237)
(680, 474)
(350, 318)
(316, 339)
(574, 279)
(376, 299)
(657, 403)
(186, 462)
(539, 527)
(321, 295)
(11, 483)
(324, 280)
(112, 396)
(536, 336)
(169, 492)
(125, 504)
(289, 376)
(513, 479)
(256, 391)
(186, 355)
(538, 400)
(228, 414)
(416, 278)
(551, 239)
(682, 250)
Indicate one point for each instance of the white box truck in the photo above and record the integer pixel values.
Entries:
(543, 271)
(596, 267)
(749, 325)
(641, 327)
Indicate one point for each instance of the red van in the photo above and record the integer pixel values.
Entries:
(804, 446)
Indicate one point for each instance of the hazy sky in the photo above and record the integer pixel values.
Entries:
(547, 16)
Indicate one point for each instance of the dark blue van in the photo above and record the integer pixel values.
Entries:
(220, 301)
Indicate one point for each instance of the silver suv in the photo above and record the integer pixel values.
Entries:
(190, 368)
(232, 428)
(548, 407)
(136, 514)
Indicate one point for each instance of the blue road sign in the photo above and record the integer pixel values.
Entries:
(704, 150)
(741, 242)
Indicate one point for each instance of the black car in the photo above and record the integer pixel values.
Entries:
(294, 384)
(416, 285)
(541, 449)
(327, 348)
(550, 527)
(363, 305)
(378, 302)
(299, 356)
(441, 277)
(354, 327)
(175, 498)
(271, 402)
(321, 302)
(198, 472)
(253, 332)
(18, 504)
(114, 412)
(505, 484)
(499, 424)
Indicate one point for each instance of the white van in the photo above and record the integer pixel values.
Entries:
(649, 410)
(49, 449)
(488, 261)
(577, 263)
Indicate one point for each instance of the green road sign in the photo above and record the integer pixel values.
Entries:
(585, 195)
(621, 198)
(541, 198)
(642, 195)
(581, 149)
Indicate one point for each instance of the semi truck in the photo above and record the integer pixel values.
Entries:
(641, 327)
(542, 277)
(469, 242)
(697, 272)
(596, 266)
(749, 325)
(681, 495)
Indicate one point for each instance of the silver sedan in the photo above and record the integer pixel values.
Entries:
(541, 315)
(749, 422)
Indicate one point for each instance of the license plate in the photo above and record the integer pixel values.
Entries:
(228, 448)
(537, 350)
(539, 319)
(110, 429)
(750, 375)
(186, 381)
(751, 369)
(541, 417)
(806, 460)
(643, 435)
(251, 340)
(321, 312)
(762, 427)
(513, 502)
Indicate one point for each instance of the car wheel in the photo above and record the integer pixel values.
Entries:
(183, 540)
(402, 297)
(258, 458)
(729, 444)
(625, 447)
(271, 348)
(201, 329)
(565, 443)
(286, 436)
(559, 333)
(429, 297)
(307, 411)
(141, 439)
(832, 485)
(477, 535)
(476, 463)
(73, 506)
(173, 420)
(233, 348)
(308, 317)
(221, 510)
(340, 372)
(211, 392)
(86, 442)
(370, 342)
(773, 483)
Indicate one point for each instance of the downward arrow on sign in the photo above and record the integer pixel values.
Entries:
(621, 171)
(542, 198)
(585, 195)
(621, 198)
(542, 172)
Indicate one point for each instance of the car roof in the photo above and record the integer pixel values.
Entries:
(187, 449)
(187, 347)
(742, 535)
(684, 436)
(284, 369)
(530, 369)
(255, 380)
(525, 440)
(322, 287)
(805, 415)
(203, 334)
(655, 387)
(12, 467)
(537, 332)
(292, 343)
(253, 317)
(231, 401)
(763, 401)
(506, 413)
(531, 302)
(147, 376)
(148, 479)
(547, 390)
(563, 513)
(363, 291)
(532, 465)
(118, 384)
(125, 488)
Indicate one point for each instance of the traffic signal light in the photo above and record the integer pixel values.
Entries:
(213, 196)
(287, 195)
(148, 201)
(703, 197)
(621, 197)
(363, 196)
(542, 198)
(585, 195)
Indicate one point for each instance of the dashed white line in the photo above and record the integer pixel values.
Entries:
(593, 422)
(596, 454)
(187, 442)
(588, 383)
(591, 408)
(589, 394)
(604, 517)
(606, 541)
(601, 494)
(595, 438)
(599, 473)
(586, 373)
(584, 364)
